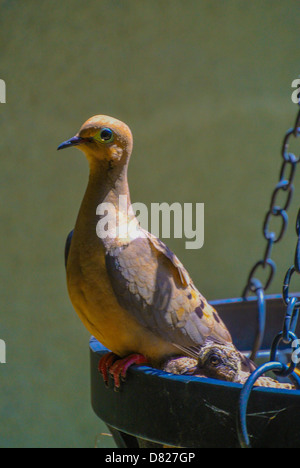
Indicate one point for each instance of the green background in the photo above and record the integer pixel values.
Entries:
(206, 88)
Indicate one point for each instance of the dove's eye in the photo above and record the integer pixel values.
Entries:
(106, 135)
(214, 360)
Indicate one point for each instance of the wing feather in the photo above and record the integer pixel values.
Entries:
(151, 283)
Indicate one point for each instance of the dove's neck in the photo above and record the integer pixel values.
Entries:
(107, 199)
(108, 184)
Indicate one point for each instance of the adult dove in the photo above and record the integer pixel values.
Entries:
(128, 288)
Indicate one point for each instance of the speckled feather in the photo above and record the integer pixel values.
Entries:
(152, 284)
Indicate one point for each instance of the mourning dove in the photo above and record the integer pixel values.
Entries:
(130, 291)
(220, 361)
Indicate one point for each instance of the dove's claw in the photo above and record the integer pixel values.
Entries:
(105, 364)
(119, 369)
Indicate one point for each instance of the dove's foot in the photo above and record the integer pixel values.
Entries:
(111, 364)
(105, 364)
(119, 369)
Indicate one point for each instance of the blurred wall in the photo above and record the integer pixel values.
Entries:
(205, 87)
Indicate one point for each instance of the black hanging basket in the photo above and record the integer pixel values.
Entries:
(198, 412)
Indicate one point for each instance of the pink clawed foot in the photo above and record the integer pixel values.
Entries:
(119, 369)
(111, 364)
(105, 363)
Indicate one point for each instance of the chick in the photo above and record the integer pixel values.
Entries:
(222, 362)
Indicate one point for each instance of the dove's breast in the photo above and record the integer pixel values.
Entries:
(94, 300)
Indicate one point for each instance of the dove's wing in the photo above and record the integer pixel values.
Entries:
(151, 283)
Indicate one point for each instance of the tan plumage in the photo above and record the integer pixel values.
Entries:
(131, 292)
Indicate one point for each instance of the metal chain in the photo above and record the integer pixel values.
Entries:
(285, 185)
(287, 335)
(261, 318)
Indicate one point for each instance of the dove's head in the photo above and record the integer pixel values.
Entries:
(103, 138)
(220, 361)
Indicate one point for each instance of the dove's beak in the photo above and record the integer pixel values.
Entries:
(75, 141)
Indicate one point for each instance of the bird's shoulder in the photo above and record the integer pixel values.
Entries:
(150, 281)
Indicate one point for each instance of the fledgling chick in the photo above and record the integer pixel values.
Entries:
(130, 291)
(222, 362)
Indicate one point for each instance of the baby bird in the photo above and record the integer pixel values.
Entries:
(219, 361)
(128, 288)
